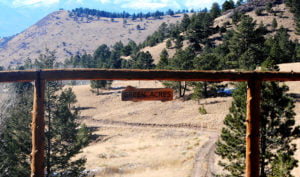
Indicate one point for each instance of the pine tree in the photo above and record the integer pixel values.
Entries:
(274, 24)
(142, 60)
(269, 7)
(227, 5)
(168, 44)
(185, 22)
(199, 30)
(236, 17)
(278, 130)
(61, 143)
(280, 48)
(239, 2)
(65, 141)
(178, 41)
(232, 144)
(209, 61)
(15, 134)
(246, 45)
(164, 60)
(182, 60)
(297, 21)
(101, 56)
(98, 84)
(215, 10)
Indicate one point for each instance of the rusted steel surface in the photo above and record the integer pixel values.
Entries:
(125, 74)
(147, 94)
(37, 128)
(253, 126)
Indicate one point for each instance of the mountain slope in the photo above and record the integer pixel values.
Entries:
(69, 36)
(282, 15)
(280, 12)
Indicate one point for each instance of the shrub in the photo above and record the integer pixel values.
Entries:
(259, 11)
(202, 110)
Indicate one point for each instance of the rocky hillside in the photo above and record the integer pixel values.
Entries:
(69, 36)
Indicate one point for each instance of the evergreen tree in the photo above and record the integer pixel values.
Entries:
(269, 7)
(101, 56)
(182, 60)
(239, 2)
(227, 5)
(164, 60)
(178, 41)
(280, 48)
(118, 46)
(297, 25)
(98, 84)
(236, 17)
(209, 61)
(297, 52)
(126, 50)
(168, 44)
(199, 30)
(215, 10)
(61, 143)
(15, 134)
(142, 60)
(185, 22)
(278, 130)
(114, 60)
(246, 45)
(232, 144)
(274, 24)
(65, 138)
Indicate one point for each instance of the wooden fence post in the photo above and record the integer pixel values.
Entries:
(38, 129)
(253, 126)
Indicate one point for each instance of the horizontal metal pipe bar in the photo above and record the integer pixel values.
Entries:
(126, 74)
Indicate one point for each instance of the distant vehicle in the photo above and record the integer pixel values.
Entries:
(225, 92)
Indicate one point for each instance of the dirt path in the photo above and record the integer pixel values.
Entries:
(204, 161)
(205, 157)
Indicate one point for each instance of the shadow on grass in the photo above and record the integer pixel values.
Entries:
(295, 96)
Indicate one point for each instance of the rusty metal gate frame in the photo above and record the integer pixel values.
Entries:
(254, 80)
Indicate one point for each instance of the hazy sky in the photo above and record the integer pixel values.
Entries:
(17, 15)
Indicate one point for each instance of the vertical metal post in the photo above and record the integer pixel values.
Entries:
(253, 126)
(38, 129)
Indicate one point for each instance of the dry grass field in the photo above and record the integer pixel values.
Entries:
(148, 138)
(156, 138)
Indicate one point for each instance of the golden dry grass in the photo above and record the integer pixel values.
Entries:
(125, 150)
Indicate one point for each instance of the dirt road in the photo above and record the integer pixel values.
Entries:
(204, 159)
